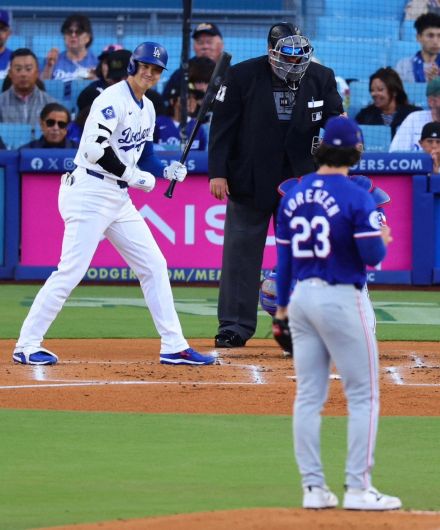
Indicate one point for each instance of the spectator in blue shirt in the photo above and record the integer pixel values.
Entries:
(167, 130)
(77, 61)
(5, 53)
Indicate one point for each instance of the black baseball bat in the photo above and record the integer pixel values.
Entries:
(215, 82)
(184, 65)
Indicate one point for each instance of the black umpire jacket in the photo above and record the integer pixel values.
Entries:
(246, 142)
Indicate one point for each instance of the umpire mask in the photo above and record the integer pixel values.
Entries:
(290, 55)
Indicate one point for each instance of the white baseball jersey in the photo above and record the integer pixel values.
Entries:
(93, 207)
(118, 110)
(408, 134)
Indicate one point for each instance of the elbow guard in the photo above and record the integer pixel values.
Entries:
(98, 151)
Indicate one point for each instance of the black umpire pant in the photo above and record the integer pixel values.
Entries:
(244, 240)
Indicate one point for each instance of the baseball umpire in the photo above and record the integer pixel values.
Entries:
(328, 230)
(264, 121)
(94, 202)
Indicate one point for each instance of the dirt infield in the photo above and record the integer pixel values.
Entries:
(125, 375)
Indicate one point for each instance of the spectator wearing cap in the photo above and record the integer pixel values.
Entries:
(430, 143)
(112, 68)
(76, 61)
(23, 101)
(54, 119)
(5, 53)
(408, 134)
(167, 130)
(207, 42)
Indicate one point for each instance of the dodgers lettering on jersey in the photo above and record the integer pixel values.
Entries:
(321, 218)
(66, 70)
(118, 110)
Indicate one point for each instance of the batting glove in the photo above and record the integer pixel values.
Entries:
(175, 171)
(142, 180)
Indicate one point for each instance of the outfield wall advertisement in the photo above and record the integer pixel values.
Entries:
(188, 228)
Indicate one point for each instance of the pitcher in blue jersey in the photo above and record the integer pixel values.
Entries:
(328, 230)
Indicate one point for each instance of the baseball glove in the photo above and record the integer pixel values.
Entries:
(281, 333)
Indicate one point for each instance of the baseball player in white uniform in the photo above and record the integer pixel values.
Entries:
(94, 202)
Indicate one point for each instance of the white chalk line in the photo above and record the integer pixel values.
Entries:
(256, 375)
(104, 383)
(40, 374)
(396, 372)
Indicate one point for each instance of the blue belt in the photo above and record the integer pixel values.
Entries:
(121, 183)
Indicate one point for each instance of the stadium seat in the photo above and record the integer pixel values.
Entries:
(407, 31)
(343, 57)
(400, 49)
(131, 41)
(376, 137)
(57, 89)
(417, 94)
(357, 29)
(41, 44)
(245, 49)
(101, 42)
(78, 85)
(359, 97)
(14, 135)
(361, 8)
(16, 41)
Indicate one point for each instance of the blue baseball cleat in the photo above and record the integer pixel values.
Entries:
(188, 356)
(35, 356)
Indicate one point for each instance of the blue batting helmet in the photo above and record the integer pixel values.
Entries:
(148, 53)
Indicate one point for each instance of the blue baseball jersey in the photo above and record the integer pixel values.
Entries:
(67, 70)
(5, 59)
(330, 226)
(167, 133)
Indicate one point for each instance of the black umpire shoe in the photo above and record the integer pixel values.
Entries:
(229, 339)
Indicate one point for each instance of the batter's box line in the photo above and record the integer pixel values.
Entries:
(256, 372)
(116, 383)
(40, 374)
(393, 371)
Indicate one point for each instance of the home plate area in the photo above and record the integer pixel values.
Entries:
(125, 374)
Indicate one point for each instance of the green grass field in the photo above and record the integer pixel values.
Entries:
(119, 312)
(68, 467)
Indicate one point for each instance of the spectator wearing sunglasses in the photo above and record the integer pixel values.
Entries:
(76, 61)
(23, 101)
(54, 119)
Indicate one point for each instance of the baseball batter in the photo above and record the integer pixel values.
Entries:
(328, 231)
(94, 202)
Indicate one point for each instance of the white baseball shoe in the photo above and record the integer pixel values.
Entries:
(35, 356)
(318, 497)
(369, 499)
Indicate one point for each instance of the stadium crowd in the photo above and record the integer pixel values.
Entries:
(26, 90)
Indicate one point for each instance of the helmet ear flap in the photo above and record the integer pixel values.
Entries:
(132, 66)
